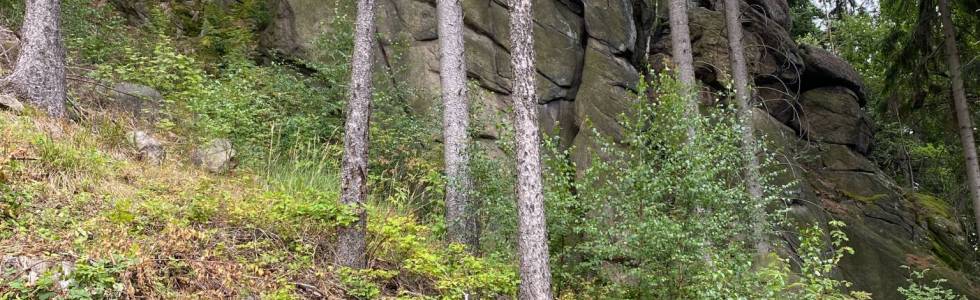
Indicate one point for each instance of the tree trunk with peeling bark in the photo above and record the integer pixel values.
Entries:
(743, 97)
(39, 74)
(963, 117)
(532, 240)
(460, 217)
(354, 168)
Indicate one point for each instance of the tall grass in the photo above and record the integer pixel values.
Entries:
(310, 165)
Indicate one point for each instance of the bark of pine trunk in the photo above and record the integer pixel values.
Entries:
(743, 97)
(963, 117)
(354, 168)
(532, 240)
(680, 40)
(460, 216)
(39, 74)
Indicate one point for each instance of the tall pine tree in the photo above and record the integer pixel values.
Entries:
(354, 168)
(460, 217)
(743, 97)
(532, 240)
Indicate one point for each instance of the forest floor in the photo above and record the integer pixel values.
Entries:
(75, 196)
(83, 216)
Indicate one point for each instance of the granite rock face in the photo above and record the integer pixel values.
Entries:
(590, 55)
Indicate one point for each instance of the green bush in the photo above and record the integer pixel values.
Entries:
(656, 214)
(919, 291)
(89, 279)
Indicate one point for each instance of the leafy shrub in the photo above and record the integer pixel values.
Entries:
(403, 244)
(97, 279)
(252, 105)
(655, 215)
(89, 279)
(919, 291)
(816, 267)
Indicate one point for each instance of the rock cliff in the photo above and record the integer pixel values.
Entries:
(590, 55)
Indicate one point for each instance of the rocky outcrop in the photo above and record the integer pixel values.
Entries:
(833, 115)
(590, 55)
(826, 69)
(888, 227)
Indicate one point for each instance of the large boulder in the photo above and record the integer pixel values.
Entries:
(772, 55)
(605, 94)
(611, 23)
(143, 102)
(886, 226)
(833, 115)
(826, 69)
(9, 102)
(296, 25)
(217, 156)
(148, 148)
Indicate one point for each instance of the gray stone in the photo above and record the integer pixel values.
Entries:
(296, 25)
(558, 119)
(611, 22)
(606, 91)
(826, 69)
(9, 102)
(33, 268)
(148, 148)
(558, 43)
(589, 57)
(833, 115)
(217, 157)
(143, 102)
(841, 158)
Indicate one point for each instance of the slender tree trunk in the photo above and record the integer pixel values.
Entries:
(354, 169)
(963, 117)
(39, 75)
(680, 40)
(743, 97)
(460, 217)
(532, 240)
